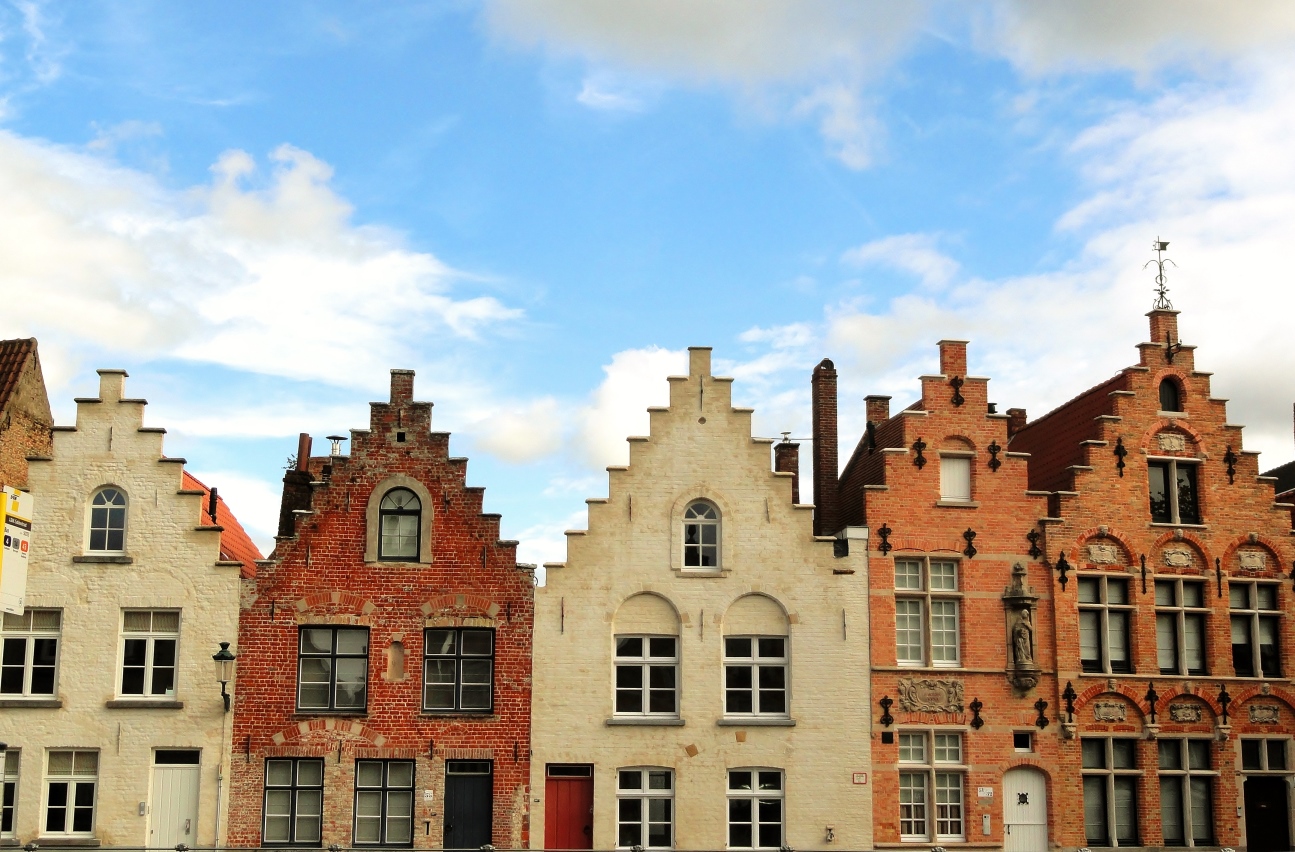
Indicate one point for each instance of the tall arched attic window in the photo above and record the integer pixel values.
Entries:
(701, 535)
(400, 515)
(107, 521)
(1170, 399)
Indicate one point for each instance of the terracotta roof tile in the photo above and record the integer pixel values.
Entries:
(13, 358)
(1055, 440)
(235, 544)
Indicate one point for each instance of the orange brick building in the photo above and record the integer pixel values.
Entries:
(1173, 612)
(384, 674)
(961, 625)
(25, 417)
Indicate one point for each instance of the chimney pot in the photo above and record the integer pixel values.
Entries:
(1016, 421)
(878, 408)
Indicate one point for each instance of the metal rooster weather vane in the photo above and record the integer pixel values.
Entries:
(1162, 289)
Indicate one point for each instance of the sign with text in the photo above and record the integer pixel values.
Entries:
(15, 518)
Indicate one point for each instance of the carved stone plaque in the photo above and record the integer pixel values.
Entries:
(928, 695)
(1253, 560)
(1178, 558)
(1103, 554)
(1109, 711)
(1265, 714)
(1185, 712)
(1171, 442)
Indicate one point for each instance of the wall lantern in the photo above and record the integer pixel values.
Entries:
(224, 670)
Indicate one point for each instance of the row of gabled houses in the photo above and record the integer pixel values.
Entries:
(982, 631)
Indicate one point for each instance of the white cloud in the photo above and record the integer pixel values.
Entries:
(850, 130)
(916, 254)
(635, 380)
(522, 433)
(595, 96)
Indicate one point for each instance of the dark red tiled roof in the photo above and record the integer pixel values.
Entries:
(1054, 441)
(13, 358)
(235, 544)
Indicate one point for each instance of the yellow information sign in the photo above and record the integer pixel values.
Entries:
(15, 518)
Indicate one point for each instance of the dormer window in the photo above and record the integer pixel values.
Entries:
(1170, 398)
(400, 515)
(701, 536)
(107, 521)
(955, 478)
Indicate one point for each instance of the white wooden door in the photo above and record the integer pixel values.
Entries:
(1025, 810)
(173, 811)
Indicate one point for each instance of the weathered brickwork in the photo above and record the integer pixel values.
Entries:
(1094, 455)
(169, 560)
(954, 548)
(325, 570)
(25, 418)
(629, 575)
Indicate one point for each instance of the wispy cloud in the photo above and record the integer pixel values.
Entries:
(594, 97)
(916, 254)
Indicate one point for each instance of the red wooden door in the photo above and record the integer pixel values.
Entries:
(569, 812)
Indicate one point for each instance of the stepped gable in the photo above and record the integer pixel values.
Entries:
(235, 544)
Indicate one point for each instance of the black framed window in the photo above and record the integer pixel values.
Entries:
(400, 516)
(108, 521)
(333, 668)
(458, 669)
(294, 802)
(384, 802)
(1174, 495)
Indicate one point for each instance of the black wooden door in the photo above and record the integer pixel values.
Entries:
(468, 803)
(1267, 814)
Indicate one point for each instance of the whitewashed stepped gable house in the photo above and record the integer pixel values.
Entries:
(108, 698)
(703, 676)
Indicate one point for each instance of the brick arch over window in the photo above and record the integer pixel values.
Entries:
(1090, 544)
(1187, 541)
(1179, 384)
(295, 733)
(1170, 692)
(1135, 714)
(459, 605)
(756, 615)
(372, 516)
(335, 600)
(1165, 425)
(1274, 568)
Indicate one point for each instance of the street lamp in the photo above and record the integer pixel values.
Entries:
(224, 670)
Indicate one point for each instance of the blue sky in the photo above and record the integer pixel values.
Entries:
(258, 209)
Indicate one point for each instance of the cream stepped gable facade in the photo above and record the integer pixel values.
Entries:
(702, 658)
(111, 709)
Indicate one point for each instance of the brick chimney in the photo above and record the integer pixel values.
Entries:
(953, 357)
(1016, 421)
(296, 489)
(823, 402)
(878, 408)
(786, 459)
(402, 386)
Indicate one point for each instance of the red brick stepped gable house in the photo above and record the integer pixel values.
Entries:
(25, 417)
(962, 682)
(384, 667)
(1173, 609)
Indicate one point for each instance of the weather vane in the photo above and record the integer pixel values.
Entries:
(1162, 289)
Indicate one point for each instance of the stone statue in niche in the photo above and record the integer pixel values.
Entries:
(1023, 669)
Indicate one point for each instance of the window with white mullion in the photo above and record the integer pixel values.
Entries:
(1104, 616)
(1180, 626)
(755, 809)
(755, 676)
(645, 808)
(927, 605)
(150, 639)
(931, 770)
(1186, 791)
(647, 670)
(9, 799)
(71, 785)
(29, 653)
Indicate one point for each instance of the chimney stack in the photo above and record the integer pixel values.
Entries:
(1015, 421)
(786, 459)
(823, 402)
(878, 409)
(402, 386)
(953, 357)
(296, 489)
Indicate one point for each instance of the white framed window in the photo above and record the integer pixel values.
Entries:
(955, 478)
(645, 808)
(384, 802)
(333, 668)
(400, 522)
(1256, 619)
(1264, 755)
(29, 653)
(755, 676)
(701, 535)
(1174, 495)
(1186, 791)
(1110, 770)
(107, 527)
(927, 604)
(294, 801)
(755, 808)
(458, 669)
(932, 775)
(1104, 616)
(647, 676)
(71, 786)
(1180, 626)
(9, 793)
(150, 640)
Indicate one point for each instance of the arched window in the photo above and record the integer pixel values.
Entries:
(1170, 400)
(400, 515)
(108, 521)
(701, 536)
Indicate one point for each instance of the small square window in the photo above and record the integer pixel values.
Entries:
(1023, 741)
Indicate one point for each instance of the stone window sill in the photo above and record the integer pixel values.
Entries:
(306, 714)
(957, 504)
(755, 722)
(142, 704)
(35, 703)
(644, 722)
(459, 714)
(1184, 526)
(104, 559)
(64, 842)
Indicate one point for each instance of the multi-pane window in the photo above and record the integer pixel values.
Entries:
(1186, 792)
(384, 802)
(149, 638)
(1174, 498)
(1263, 755)
(29, 652)
(931, 772)
(647, 672)
(955, 478)
(1104, 614)
(333, 668)
(1180, 626)
(70, 782)
(701, 536)
(458, 669)
(400, 516)
(108, 521)
(755, 809)
(1110, 791)
(926, 612)
(755, 675)
(1256, 651)
(294, 801)
(9, 794)
(645, 808)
